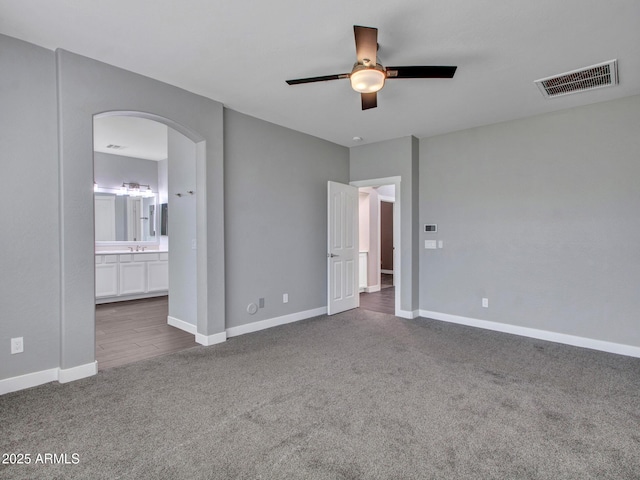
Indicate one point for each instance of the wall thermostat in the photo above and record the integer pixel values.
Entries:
(431, 228)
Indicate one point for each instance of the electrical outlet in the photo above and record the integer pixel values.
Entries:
(285, 298)
(261, 302)
(485, 302)
(17, 345)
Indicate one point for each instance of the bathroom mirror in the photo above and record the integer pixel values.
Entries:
(125, 218)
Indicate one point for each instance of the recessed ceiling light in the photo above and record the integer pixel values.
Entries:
(357, 139)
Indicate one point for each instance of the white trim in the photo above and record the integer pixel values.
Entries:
(182, 325)
(387, 272)
(208, 340)
(124, 298)
(274, 322)
(376, 182)
(28, 380)
(407, 314)
(34, 379)
(372, 289)
(66, 375)
(584, 342)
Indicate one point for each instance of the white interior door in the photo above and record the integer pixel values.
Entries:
(342, 248)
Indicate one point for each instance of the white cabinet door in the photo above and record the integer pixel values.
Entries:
(132, 278)
(363, 271)
(157, 276)
(107, 280)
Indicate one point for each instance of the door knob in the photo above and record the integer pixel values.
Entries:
(331, 255)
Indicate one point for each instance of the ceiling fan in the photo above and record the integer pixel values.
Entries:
(368, 76)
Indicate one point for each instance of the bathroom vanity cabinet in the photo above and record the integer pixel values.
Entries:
(127, 276)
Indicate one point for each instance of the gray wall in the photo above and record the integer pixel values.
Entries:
(276, 216)
(163, 180)
(541, 216)
(29, 244)
(182, 228)
(111, 170)
(398, 157)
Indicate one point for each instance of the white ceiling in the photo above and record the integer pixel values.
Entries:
(137, 137)
(241, 52)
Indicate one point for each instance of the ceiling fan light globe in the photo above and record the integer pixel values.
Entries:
(367, 80)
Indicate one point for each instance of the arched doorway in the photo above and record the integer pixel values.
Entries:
(146, 303)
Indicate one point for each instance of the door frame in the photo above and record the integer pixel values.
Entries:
(397, 210)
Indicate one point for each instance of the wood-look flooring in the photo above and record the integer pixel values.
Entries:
(383, 301)
(128, 332)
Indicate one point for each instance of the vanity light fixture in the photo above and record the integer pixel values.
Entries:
(132, 189)
(135, 189)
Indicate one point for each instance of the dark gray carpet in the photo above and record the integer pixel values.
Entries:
(357, 395)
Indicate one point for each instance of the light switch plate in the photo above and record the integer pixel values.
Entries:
(430, 244)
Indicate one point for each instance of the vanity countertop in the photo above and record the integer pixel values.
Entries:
(120, 252)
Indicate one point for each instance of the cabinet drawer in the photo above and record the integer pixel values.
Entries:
(145, 257)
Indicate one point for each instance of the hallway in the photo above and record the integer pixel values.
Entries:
(382, 301)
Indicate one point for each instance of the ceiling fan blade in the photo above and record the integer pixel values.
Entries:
(366, 43)
(421, 72)
(324, 78)
(369, 100)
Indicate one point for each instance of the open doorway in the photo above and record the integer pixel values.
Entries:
(378, 276)
(133, 163)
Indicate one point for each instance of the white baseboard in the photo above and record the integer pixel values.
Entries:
(29, 380)
(604, 346)
(407, 314)
(34, 379)
(388, 272)
(182, 325)
(208, 340)
(124, 298)
(76, 373)
(274, 322)
(372, 289)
